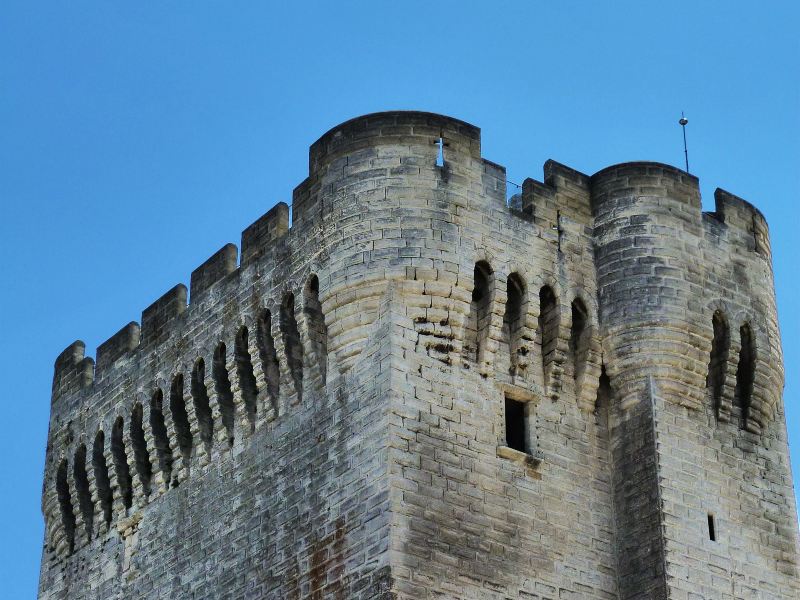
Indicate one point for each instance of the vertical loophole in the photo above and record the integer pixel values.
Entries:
(101, 477)
(160, 435)
(121, 463)
(712, 531)
(141, 458)
(601, 405)
(222, 385)
(291, 342)
(548, 327)
(180, 418)
(65, 502)
(718, 360)
(81, 478)
(745, 373)
(479, 312)
(317, 330)
(579, 337)
(202, 405)
(513, 318)
(268, 356)
(603, 399)
(247, 380)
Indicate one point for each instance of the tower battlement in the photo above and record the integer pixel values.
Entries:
(421, 389)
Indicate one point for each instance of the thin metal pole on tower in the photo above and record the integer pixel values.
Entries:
(682, 122)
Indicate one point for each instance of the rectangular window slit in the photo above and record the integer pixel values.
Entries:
(516, 425)
(712, 534)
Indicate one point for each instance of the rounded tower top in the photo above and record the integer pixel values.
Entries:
(393, 127)
(617, 184)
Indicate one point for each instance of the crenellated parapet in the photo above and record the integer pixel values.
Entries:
(579, 292)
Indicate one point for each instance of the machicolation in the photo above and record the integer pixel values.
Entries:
(423, 390)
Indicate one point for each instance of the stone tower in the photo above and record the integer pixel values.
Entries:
(423, 390)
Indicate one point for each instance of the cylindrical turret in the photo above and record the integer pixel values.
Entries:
(647, 241)
(378, 191)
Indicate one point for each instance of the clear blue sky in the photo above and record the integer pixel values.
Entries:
(137, 140)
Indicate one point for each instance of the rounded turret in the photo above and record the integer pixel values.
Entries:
(380, 192)
(663, 270)
(647, 235)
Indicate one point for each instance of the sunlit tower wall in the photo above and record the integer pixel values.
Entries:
(423, 388)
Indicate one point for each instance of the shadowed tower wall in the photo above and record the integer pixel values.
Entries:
(422, 389)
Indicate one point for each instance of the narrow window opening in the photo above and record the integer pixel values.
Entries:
(516, 425)
(177, 407)
(121, 463)
(291, 342)
(268, 356)
(712, 533)
(603, 399)
(317, 330)
(202, 405)
(745, 374)
(479, 312)
(247, 380)
(579, 337)
(222, 385)
(160, 435)
(718, 361)
(601, 405)
(81, 478)
(513, 319)
(101, 478)
(141, 458)
(548, 327)
(440, 152)
(65, 502)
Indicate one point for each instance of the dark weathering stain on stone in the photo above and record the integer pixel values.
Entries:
(327, 563)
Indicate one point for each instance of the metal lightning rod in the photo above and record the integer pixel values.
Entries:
(682, 122)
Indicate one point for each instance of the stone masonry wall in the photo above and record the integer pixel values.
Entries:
(328, 416)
